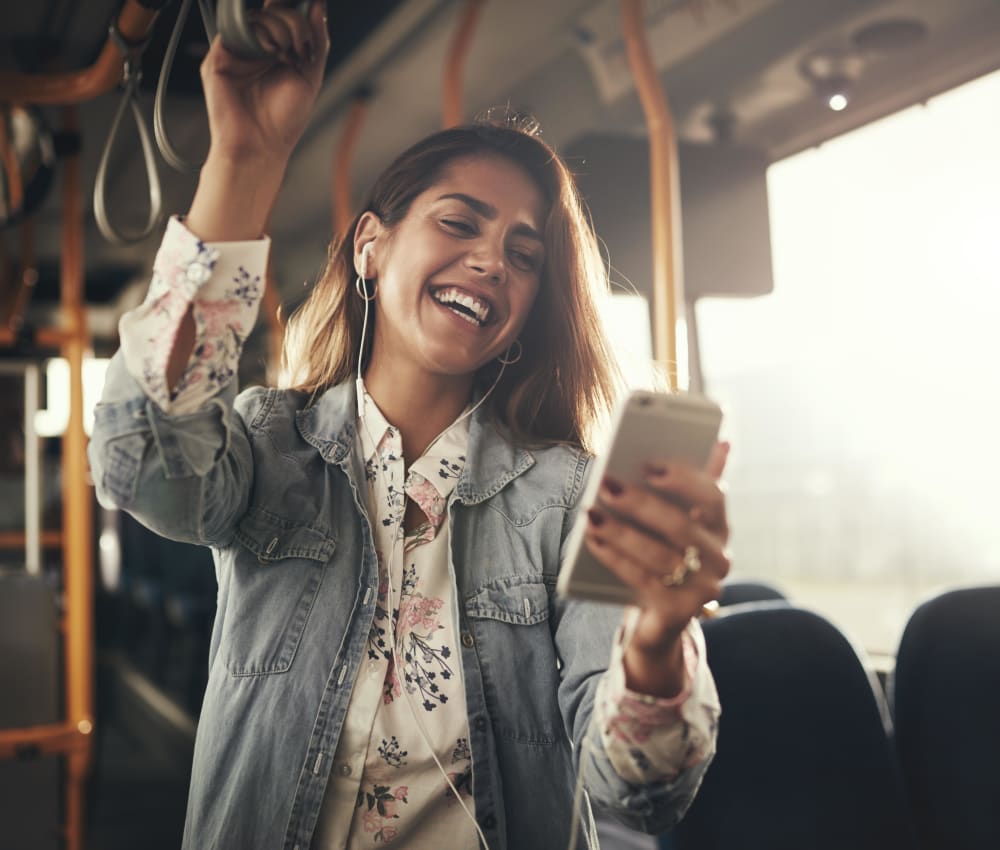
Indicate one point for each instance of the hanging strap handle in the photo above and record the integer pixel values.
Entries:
(234, 28)
(167, 149)
(132, 75)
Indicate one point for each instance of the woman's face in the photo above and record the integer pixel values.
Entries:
(458, 275)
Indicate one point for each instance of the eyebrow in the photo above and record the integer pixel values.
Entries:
(489, 212)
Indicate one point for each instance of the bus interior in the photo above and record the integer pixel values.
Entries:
(819, 256)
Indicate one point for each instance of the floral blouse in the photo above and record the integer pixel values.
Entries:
(385, 786)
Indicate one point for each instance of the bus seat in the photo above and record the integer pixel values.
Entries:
(738, 592)
(804, 761)
(946, 698)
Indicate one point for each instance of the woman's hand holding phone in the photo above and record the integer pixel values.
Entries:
(667, 541)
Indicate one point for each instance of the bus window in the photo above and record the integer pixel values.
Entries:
(863, 395)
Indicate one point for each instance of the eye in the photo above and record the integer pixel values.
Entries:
(459, 226)
(525, 260)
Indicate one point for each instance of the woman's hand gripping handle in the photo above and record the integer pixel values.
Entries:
(257, 112)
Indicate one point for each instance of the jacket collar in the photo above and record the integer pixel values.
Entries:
(329, 426)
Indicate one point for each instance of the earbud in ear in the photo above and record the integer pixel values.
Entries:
(364, 259)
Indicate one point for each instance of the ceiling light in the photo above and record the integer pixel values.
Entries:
(837, 102)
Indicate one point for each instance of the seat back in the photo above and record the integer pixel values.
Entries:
(946, 701)
(739, 592)
(804, 761)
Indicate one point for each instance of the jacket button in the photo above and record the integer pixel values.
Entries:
(480, 724)
(468, 640)
(489, 822)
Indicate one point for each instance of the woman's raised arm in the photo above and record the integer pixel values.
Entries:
(257, 111)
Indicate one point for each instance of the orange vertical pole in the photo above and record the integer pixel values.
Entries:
(668, 281)
(452, 110)
(77, 509)
(271, 303)
(342, 204)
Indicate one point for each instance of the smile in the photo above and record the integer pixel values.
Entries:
(474, 310)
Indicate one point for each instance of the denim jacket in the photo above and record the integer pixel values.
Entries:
(271, 483)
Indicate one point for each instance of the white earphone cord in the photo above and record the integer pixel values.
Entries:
(395, 531)
(360, 388)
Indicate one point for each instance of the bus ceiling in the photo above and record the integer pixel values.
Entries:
(766, 77)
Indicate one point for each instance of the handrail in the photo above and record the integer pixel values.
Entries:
(51, 338)
(452, 108)
(235, 29)
(50, 739)
(135, 22)
(342, 204)
(664, 184)
(78, 579)
(74, 737)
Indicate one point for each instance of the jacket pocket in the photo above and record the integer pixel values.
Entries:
(508, 619)
(277, 570)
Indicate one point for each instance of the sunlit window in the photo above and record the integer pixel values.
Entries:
(864, 393)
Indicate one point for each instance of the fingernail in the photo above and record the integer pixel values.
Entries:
(595, 516)
(612, 486)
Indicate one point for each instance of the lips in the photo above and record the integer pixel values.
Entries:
(472, 307)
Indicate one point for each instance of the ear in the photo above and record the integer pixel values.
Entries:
(368, 229)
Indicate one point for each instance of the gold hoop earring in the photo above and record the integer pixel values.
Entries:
(359, 287)
(507, 360)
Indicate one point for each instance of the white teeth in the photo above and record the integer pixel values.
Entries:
(455, 296)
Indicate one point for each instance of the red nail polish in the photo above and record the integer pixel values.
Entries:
(613, 486)
(595, 517)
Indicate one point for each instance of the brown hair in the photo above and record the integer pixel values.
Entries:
(566, 380)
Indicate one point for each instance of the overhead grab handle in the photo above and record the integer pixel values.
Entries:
(132, 75)
(236, 32)
(167, 149)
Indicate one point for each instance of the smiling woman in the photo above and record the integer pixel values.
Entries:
(566, 377)
(389, 660)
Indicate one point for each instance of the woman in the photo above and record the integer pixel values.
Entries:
(389, 663)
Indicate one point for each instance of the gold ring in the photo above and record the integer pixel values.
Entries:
(692, 559)
(676, 577)
(690, 563)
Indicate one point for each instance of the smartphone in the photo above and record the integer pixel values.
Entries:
(647, 426)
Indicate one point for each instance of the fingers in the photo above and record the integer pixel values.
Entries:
(717, 460)
(654, 587)
(285, 33)
(680, 495)
(659, 558)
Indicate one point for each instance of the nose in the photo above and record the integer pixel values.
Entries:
(487, 261)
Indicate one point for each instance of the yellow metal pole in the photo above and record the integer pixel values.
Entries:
(452, 110)
(668, 283)
(77, 506)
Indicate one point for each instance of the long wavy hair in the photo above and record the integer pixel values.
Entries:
(566, 381)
